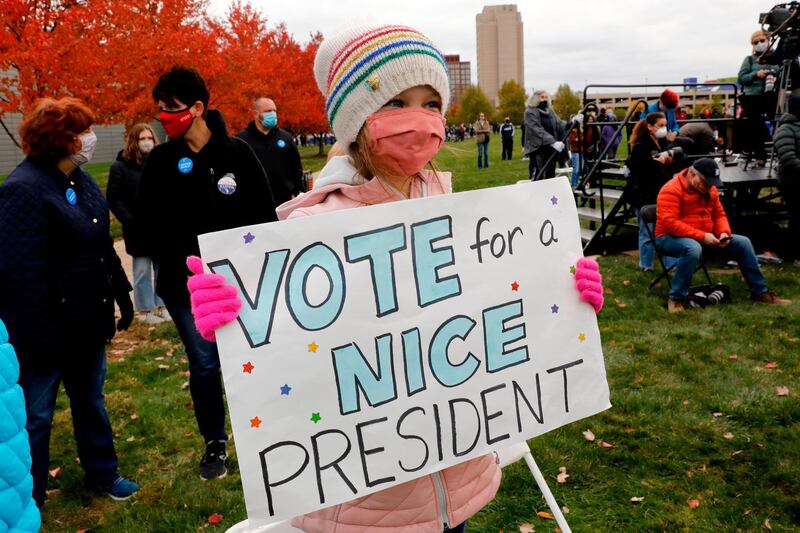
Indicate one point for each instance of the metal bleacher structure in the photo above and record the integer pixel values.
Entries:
(608, 220)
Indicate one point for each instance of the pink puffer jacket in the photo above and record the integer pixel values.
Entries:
(426, 504)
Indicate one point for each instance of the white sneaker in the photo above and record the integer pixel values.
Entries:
(149, 318)
(163, 313)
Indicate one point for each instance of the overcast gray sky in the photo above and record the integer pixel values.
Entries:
(573, 41)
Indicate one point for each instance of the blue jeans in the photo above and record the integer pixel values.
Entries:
(144, 296)
(647, 249)
(689, 251)
(205, 380)
(577, 160)
(483, 155)
(83, 372)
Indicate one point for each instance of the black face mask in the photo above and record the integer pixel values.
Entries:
(543, 105)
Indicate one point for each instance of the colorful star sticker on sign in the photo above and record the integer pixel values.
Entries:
(554, 309)
(285, 390)
(315, 417)
(249, 237)
(554, 200)
(581, 337)
(514, 286)
(312, 347)
(248, 367)
(255, 422)
(572, 270)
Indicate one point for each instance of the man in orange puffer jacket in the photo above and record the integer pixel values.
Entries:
(689, 217)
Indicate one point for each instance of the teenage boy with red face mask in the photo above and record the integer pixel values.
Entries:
(200, 181)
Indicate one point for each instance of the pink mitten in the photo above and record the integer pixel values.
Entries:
(214, 303)
(589, 282)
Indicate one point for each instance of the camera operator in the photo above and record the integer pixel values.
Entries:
(758, 79)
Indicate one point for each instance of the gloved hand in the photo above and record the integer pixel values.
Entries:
(558, 146)
(125, 304)
(214, 302)
(577, 119)
(589, 282)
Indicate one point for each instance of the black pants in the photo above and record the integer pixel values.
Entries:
(757, 108)
(508, 147)
(790, 189)
(542, 155)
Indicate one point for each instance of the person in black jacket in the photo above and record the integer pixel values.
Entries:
(276, 151)
(787, 148)
(648, 173)
(200, 181)
(123, 182)
(507, 131)
(59, 278)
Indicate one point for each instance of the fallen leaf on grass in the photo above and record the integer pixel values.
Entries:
(626, 282)
(619, 303)
(702, 469)
(716, 415)
(562, 474)
(160, 358)
(82, 531)
(130, 439)
(737, 452)
(630, 430)
(604, 444)
(637, 499)
(134, 416)
(609, 291)
(612, 342)
(588, 435)
(54, 472)
(727, 435)
(526, 528)
(733, 357)
(545, 514)
(163, 367)
(52, 492)
(747, 512)
(767, 525)
(771, 365)
(565, 510)
(782, 391)
(689, 473)
(151, 328)
(215, 519)
(185, 385)
(693, 503)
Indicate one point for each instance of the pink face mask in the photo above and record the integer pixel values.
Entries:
(405, 140)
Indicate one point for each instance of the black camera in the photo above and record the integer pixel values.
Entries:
(676, 153)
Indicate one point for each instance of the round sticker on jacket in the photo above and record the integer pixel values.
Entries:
(227, 184)
(185, 165)
(72, 196)
(281, 143)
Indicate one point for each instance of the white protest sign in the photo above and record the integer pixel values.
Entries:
(379, 344)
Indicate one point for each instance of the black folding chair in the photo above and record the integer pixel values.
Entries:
(649, 216)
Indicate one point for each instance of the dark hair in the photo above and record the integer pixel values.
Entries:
(181, 83)
(50, 129)
(640, 130)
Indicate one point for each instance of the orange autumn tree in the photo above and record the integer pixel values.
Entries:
(110, 52)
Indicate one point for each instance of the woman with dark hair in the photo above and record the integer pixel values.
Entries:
(648, 173)
(123, 183)
(58, 288)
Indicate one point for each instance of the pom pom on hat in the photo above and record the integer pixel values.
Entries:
(363, 67)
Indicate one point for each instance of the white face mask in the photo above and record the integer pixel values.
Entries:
(146, 146)
(88, 143)
(661, 132)
(760, 47)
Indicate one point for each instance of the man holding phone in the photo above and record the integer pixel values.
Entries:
(690, 218)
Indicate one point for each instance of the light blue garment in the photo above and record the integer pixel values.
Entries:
(144, 296)
(269, 119)
(672, 122)
(18, 511)
(647, 249)
(577, 161)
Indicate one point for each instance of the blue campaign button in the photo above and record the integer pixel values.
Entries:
(281, 143)
(72, 196)
(185, 165)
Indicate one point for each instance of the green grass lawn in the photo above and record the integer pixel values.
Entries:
(695, 415)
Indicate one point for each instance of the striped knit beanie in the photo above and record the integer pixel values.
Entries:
(363, 67)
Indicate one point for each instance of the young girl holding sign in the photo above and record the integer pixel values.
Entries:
(386, 88)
